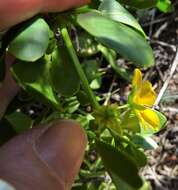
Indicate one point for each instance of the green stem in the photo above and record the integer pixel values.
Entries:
(123, 107)
(78, 67)
(109, 55)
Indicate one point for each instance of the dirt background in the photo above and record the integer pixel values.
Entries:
(162, 168)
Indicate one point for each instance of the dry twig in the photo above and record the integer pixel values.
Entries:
(172, 70)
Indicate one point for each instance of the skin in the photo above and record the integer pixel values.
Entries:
(45, 157)
(48, 156)
(15, 11)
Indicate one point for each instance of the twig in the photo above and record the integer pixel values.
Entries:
(149, 73)
(173, 68)
(151, 25)
(109, 94)
(155, 21)
(160, 73)
(173, 47)
(170, 109)
(160, 30)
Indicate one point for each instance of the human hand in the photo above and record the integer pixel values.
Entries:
(44, 158)
(15, 11)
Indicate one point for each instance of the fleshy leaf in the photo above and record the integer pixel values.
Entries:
(137, 155)
(19, 121)
(115, 11)
(121, 168)
(162, 119)
(34, 77)
(145, 142)
(164, 6)
(91, 69)
(31, 41)
(119, 37)
(64, 76)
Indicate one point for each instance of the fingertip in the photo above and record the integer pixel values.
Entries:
(62, 147)
(56, 5)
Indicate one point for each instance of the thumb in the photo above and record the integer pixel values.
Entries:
(9, 88)
(46, 157)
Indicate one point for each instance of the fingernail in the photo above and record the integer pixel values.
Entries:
(62, 147)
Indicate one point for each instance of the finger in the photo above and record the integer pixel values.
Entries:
(15, 11)
(8, 89)
(59, 5)
(44, 158)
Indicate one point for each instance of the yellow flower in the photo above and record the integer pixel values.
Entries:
(141, 100)
(144, 93)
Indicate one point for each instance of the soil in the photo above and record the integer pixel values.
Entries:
(162, 168)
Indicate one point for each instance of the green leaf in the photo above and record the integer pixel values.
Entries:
(91, 69)
(141, 4)
(83, 98)
(71, 105)
(137, 155)
(119, 37)
(123, 170)
(19, 121)
(84, 121)
(162, 119)
(146, 186)
(145, 142)
(164, 6)
(110, 56)
(31, 41)
(64, 76)
(35, 78)
(115, 11)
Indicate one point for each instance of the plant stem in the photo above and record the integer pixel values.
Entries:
(78, 67)
(123, 107)
(109, 55)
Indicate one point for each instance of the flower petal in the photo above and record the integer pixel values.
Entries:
(145, 95)
(149, 120)
(137, 78)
